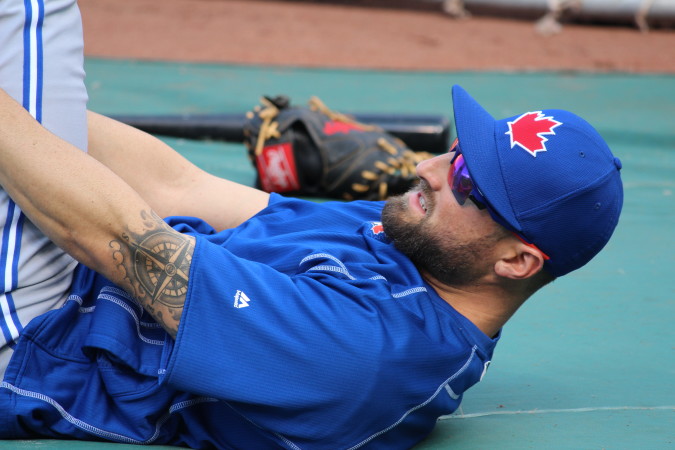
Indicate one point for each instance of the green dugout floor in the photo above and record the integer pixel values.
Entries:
(589, 362)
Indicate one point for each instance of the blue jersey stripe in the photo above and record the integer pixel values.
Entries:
(40, 61)
(9, 256)
(10, 325)
(27, 53)
(33, 57)
(4, 249)
(6, 332)
(14, 318)
(17, 250)
(32, 101)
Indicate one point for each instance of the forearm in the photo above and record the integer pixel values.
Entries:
(86, 209)
(171, 184)
(58, 187)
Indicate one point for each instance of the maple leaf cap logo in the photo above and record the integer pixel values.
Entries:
(528, 131)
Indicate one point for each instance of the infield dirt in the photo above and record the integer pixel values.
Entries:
(403, 35)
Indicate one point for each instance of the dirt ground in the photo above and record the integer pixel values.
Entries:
(399, 35)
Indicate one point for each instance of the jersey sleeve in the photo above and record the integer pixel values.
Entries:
(310, 326)
(282, 350)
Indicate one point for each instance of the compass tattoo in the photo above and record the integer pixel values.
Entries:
(161, 265)
(155, 264)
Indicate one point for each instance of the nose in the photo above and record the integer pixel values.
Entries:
(435, 170)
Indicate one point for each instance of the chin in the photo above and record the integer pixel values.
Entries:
(396, 211)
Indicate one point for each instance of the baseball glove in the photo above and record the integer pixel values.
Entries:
(313, 151)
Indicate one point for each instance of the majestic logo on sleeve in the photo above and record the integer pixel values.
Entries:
(241, 300)
(529, 131)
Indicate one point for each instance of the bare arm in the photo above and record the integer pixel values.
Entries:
(93, 214)
(166, 180)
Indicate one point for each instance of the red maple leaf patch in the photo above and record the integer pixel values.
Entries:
(529, 130)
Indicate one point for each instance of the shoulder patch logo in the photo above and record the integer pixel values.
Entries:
(374, 230)
(241, 300)
(528, 131)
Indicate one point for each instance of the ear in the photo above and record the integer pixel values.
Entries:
(523, 262)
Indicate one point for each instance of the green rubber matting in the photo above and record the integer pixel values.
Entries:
(589, 362)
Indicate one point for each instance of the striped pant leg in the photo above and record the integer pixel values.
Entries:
(41, 67)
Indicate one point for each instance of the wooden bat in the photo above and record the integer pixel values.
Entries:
(420, 132)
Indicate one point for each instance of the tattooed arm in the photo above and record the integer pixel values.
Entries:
(167, 181)
(93, 214)
(155, 265)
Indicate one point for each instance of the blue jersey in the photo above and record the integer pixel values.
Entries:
(303, 328)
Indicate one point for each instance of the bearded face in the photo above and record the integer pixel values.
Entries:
(433, 247)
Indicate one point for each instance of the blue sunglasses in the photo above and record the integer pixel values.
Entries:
(464, 189)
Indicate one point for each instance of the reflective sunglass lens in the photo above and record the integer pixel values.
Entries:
(461, 182)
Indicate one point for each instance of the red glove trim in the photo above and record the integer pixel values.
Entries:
(277, 170)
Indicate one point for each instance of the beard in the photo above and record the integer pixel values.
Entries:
(434, 250)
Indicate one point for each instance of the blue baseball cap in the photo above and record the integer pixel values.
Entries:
(547, 174)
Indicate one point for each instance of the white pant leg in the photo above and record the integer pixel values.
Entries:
(41, 66)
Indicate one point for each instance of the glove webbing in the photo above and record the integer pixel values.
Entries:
(268, 128)
(315, 104)
(405, 164)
